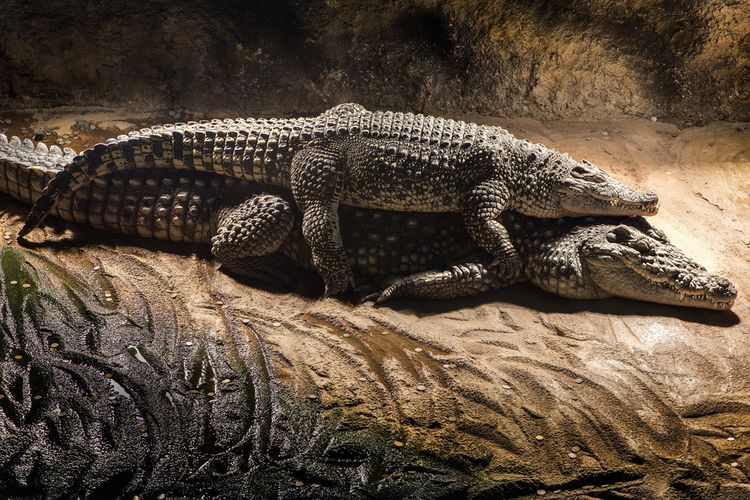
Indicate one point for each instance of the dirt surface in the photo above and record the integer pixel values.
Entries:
(521, 387)
(684, 61)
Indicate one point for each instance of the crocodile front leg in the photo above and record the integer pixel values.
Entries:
(254, 227)
(317, 183)
(482, 206)
(474, 277)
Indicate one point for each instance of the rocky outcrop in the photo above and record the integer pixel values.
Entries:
(686, 62)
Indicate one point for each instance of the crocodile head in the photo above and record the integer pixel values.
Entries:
(635, 261)
(579, 188)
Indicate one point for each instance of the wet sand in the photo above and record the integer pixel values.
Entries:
(592, 398)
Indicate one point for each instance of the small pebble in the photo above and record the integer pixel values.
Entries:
(276, 324)
(14, 282)
(26, 285)
(53, 349)
(37, 397)
(398, 444)
(575, 449)
(108, 299)
(506, 386)
(18, 357)
(421, 388)
(362, 379)
(735, 464)
(578, 380)
(417, 349)
(162, 496)
(451, 419)
(225, 381)
(245, 321)
(96, 268)
(2, 396)
(653, 119)
(210, 394)
(174, 295)
(299, 484)
(346, 335)
(539, 437)
(730, 438)
(61, 414)
(604, 133)
(449, 365)
(541, 493)
(572, 455)
(107, 293)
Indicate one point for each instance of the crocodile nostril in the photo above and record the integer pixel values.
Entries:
(651, 198)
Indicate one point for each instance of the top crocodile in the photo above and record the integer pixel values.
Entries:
(386, 160)
(583, 258)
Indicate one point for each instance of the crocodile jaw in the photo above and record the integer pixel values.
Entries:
(585, 189)
(637, 266)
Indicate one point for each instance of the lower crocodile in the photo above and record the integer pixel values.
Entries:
(576, 258)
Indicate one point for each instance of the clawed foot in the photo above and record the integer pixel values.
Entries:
(390, 291)
(508, 267)
(336, 273)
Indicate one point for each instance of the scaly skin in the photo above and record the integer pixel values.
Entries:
(576, 258)
(385, 160)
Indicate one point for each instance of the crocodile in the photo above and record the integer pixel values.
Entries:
(430, 253)
(385, 160)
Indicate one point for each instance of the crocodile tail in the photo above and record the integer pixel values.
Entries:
(25, 167)
(78, 170)
(148, 148)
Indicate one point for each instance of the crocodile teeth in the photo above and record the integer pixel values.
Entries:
(55, 150)
(15, 141)
(3, 139)
(42, 149)
(28, 145)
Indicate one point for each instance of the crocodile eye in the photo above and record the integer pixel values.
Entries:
(588, 174)
(620, 234)
(643, 246)
(579, 171)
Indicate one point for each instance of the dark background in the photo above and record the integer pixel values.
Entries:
(685, 61)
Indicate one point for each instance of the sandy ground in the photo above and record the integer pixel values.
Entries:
(587, 398)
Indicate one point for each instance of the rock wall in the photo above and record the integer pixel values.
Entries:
(686, 61)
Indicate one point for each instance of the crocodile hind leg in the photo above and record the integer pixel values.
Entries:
(254, 227)
(473, 277)
(317, 182)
